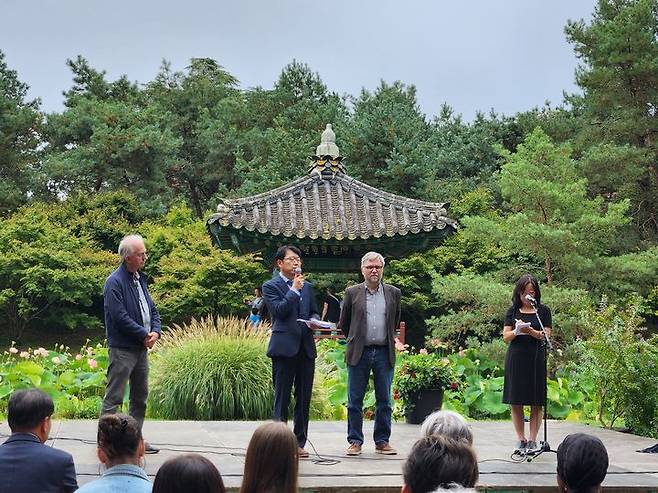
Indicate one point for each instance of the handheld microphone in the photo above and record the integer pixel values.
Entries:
(298, 270)
(531, 299)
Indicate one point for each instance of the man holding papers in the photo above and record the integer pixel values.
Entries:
(291, 302)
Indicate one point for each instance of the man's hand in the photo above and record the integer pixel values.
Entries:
(151, 339)
(298, 282)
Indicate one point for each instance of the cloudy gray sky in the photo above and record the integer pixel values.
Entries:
(509, 55)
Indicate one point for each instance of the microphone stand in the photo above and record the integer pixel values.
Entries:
(548, 346)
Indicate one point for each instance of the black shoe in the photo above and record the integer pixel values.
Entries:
(532, 448)
(150, 449)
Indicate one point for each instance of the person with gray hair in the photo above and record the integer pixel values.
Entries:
(132, 325)
(368, 319)
(447, 423)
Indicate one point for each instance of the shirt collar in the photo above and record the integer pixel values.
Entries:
(378, 290)
(126, 470)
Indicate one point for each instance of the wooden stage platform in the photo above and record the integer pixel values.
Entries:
(329, 470)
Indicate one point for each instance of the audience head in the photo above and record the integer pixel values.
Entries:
(191, 473)
(119, 440)
(449, 424)
(439, 462)
(272, 460)
(582, 463)
(30, 410)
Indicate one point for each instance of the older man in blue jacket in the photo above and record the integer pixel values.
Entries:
(292, 348)
(26, 463)
(132, 324)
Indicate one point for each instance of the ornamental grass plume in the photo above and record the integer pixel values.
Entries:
(212, 369)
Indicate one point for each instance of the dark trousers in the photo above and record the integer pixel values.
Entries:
(375, 359)
(298, 370)
(127, 365)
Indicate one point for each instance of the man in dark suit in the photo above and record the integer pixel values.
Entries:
(292, 348)
(26, 464)
(369, 317)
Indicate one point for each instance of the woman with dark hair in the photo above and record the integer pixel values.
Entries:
(582, 464)
(121, 449)
(525, 371)
(189, 473)
(272, 461)
(437, 461)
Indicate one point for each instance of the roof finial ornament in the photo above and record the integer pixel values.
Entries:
(327, 161)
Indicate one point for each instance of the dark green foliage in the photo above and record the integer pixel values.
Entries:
(20, 124)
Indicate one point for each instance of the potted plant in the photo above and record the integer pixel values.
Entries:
(420, 380)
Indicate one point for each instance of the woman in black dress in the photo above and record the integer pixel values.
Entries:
(525, 372)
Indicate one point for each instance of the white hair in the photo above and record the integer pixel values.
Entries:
(372, 256)
(455, 488)
(127, 245)
(449, 424)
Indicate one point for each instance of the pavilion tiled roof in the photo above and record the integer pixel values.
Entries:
(324, 205)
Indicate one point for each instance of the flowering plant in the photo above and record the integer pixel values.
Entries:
(421, 371)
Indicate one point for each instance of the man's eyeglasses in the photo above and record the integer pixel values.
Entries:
(293, 259)
(373, 267)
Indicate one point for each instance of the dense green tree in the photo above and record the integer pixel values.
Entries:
(285, 127)
(551, 219)
(619, 78)
(108, 138)
(20, 123)
(49, 277)
(388, 144)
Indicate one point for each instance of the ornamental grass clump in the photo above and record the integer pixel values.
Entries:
(212, 369)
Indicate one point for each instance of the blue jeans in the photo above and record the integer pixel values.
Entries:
(375, 359)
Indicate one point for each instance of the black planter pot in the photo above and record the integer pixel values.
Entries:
(424, 403)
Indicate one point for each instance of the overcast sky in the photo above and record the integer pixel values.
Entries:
(509, 55)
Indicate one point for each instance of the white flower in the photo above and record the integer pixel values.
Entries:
(24, 354)
(13, 350)
(56, 360)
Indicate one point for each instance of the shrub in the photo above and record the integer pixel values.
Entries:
(212, 369)
(622, 367)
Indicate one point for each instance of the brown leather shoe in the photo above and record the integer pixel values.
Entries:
(385, 449)
(303, 454)
(354, 449)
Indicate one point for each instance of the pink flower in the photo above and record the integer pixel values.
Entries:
(78, 357)
(462, 353)
(399, 346)
(24, 354)
(56, 360)
(13, 350)
(92, 363)
(423, 351)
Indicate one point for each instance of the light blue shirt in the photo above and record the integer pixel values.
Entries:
(143, 304)
(126, 478)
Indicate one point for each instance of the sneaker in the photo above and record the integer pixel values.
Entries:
(385, 449)
(354, 449)
(521, 448)
(302, 453)
(150, 449)
(531, 448)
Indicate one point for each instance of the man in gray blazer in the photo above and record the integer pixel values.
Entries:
(369, 317)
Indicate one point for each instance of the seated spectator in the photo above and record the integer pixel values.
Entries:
(439, 462)
(272, 460)
(449, 424)
(189, 473)
(26, 464)
(121, 449)
(582, 463)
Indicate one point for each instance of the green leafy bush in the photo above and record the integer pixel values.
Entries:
(212, 369)
(421, 371)
(622, 368)
(76, 382)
